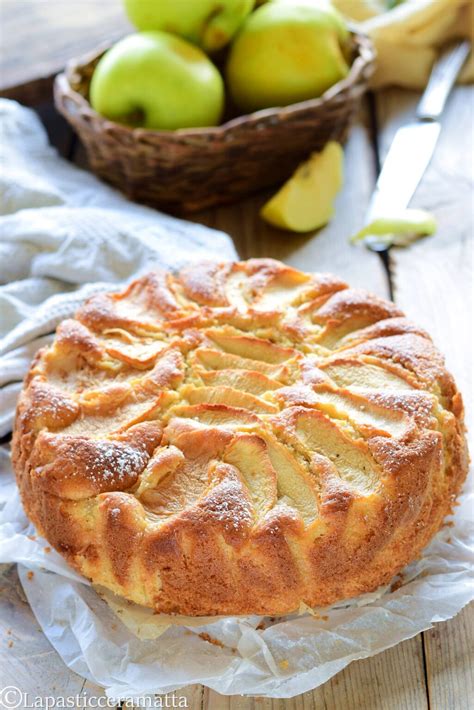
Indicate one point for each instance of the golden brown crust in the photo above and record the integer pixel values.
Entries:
(239, 439)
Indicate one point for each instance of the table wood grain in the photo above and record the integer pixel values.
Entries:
(39, 36)
(432, 282)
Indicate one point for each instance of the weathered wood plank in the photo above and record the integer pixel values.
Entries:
(371, 684)
(38, 38)
(375, 683)
(433, 284)
(449, 662)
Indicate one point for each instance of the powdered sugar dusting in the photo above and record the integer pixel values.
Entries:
(112, 461)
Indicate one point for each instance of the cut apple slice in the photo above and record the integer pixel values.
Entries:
(306, 200)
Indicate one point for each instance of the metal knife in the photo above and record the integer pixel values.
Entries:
(414, 144)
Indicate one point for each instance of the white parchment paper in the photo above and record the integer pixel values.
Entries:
(132, 652)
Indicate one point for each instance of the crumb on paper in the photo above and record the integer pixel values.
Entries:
(209, 639)
(30, 575)
(114, 627)
(31, 537)
(9, 632)
(318, 616)
(399, 582)
(47, 549)
(305, 609)
(10, 643)
(284, 664)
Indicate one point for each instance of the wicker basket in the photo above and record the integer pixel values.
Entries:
(191, 169)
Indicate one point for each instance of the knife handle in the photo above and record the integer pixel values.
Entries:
(443, 75)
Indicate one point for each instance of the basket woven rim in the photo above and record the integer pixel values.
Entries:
(361, 67)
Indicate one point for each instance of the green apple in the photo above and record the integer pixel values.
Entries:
(211, 24)
(287, 51)
(157, 80)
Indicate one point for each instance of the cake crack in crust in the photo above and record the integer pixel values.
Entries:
(239, 438)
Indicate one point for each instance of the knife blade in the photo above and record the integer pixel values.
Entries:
(414, 144)
(406, 161)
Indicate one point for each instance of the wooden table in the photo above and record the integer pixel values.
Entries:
(431, 281)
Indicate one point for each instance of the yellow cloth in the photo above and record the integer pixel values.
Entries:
(408, 36)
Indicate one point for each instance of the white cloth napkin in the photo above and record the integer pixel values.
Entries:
(65, 235)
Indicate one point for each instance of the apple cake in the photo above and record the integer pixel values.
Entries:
(239, 438)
